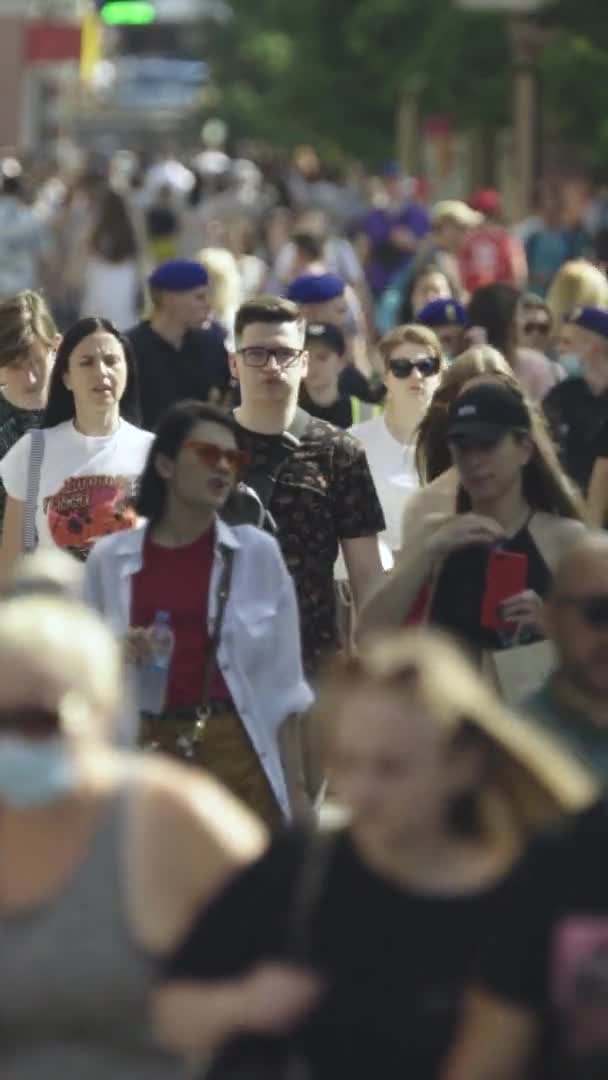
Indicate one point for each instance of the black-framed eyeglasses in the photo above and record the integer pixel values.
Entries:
(537, 327)
(593, 609)
(259, 355)
(402, 369)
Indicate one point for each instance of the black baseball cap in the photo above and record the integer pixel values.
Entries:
(487, 412)
(326, 334)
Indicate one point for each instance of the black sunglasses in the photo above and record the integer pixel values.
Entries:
(30, 721)
(537, 327)
(593, 609)
(402, 369)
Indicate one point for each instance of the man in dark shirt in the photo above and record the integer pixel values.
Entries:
(176, 357)
(577, 409)
(542, 992)
(573, 704)
(321, 496)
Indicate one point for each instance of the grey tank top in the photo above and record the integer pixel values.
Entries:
(74, 984)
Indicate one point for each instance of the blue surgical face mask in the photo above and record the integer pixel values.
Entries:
(571, 363)
(34, 772)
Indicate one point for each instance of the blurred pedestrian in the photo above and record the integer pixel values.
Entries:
(577, 284)
(572, 703)
(176, 357)
(576, 409)
(447, 318)
(210, 579)
(534, 323)
(28, 343)
(391, 230)
(76, 481)
(491, 254)
(413, 362)
(24, 238)
(492, 311)
(107, 856)
(113, 273)
(223, 289)
(441, 788)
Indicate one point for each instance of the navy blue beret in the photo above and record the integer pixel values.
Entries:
(591, 318)
(442, 313)
(315, 288)
(178, 275)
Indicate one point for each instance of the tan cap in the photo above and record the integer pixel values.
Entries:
(456, 211)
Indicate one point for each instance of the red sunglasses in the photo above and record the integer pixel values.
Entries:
(211, 454)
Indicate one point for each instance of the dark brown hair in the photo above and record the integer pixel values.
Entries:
(113, 237)
(267, 309)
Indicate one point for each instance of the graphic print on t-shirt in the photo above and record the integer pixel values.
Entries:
(87, 508)
(580, 994)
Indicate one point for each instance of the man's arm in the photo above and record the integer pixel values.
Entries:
(362, 558)
(495, 1042)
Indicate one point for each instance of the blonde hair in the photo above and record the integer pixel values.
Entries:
(529, 780)
(224, 281)
(24, 318)
(410, 333)
(578, 283)
(432, 452)
(59, 643)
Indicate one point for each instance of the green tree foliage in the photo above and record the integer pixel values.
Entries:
(333, 72)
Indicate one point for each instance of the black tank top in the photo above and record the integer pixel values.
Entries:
(458, 596)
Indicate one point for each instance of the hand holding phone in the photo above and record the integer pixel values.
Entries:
(506, 577)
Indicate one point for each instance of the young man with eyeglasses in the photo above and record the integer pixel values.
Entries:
(573, 704)
(313, 479)
(412, 360)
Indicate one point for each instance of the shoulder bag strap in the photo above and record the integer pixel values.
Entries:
(308, 889)
(34, 470)
(222, 599)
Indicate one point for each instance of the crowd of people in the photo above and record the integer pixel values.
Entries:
(303, 627)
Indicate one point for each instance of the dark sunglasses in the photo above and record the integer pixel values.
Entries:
(402, 369)
(537, 327)
(210, 454)
(30, 721)
(593, 609)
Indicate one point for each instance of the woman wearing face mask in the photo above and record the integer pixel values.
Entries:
(413, 362)
(441, 791)
(179, 562)
(28, 342)
(106, 856)
(511, 497)
(78, 484)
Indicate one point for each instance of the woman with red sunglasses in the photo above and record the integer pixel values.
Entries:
(234, 685)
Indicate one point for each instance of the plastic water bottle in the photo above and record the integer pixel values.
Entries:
(154, 675)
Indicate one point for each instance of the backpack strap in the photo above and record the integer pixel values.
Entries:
(34, 470)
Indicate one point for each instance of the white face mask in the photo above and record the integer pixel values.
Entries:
(35, 772)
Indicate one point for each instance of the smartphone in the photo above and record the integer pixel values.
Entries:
(506, 575)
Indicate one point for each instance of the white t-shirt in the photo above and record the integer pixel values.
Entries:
(86, 483)
(394, 471)
(110, 291)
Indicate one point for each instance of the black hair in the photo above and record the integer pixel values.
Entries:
(493, 308)
(273, 310)
(61, 405)
(309, 245)
(171, 433)
(406, 313)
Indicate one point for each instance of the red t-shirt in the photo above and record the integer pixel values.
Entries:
(177, 580)
(490, 255)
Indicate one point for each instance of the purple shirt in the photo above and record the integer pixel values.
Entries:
(386, 260)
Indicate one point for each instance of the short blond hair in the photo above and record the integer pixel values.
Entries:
(64, 645)
(413, 334)
(578, 283)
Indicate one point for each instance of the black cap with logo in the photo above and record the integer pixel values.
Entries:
(326, 334)
(487, 412)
